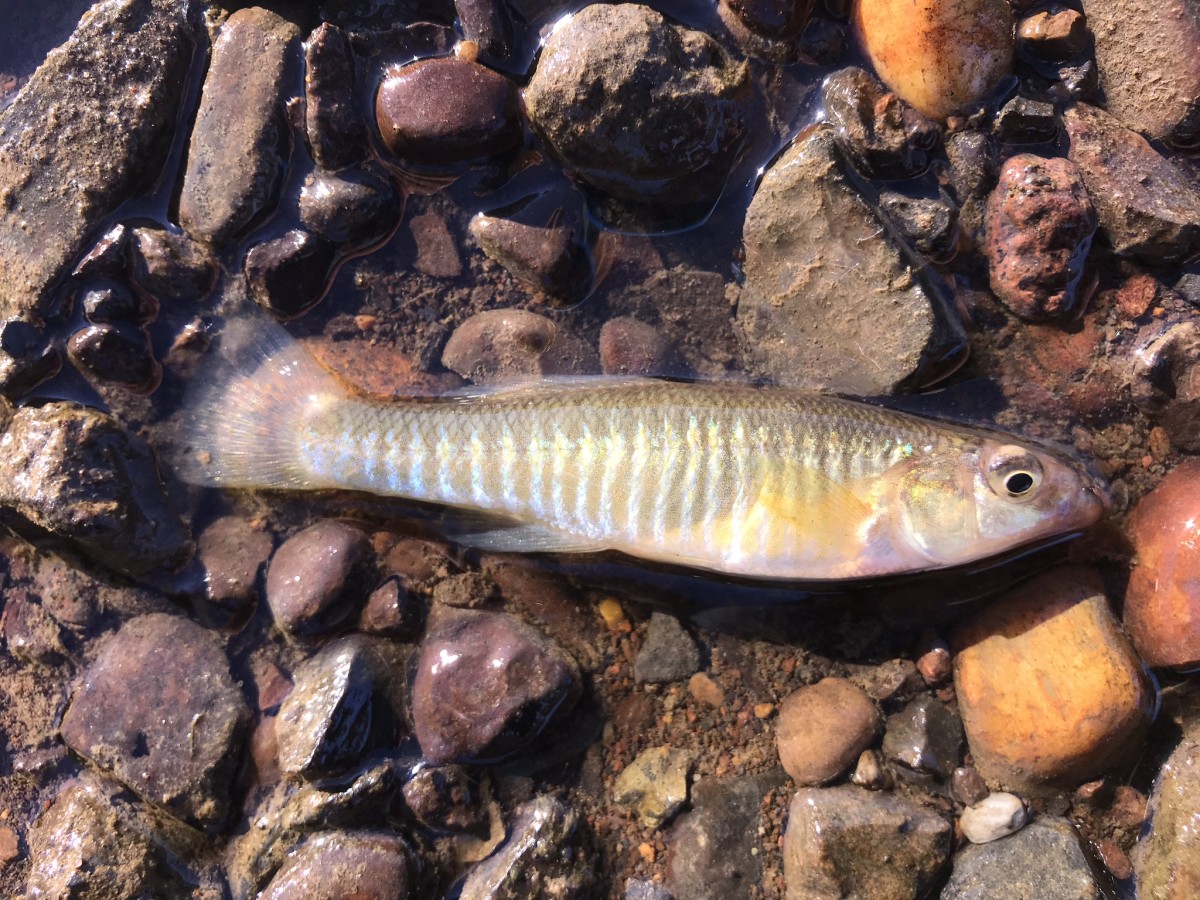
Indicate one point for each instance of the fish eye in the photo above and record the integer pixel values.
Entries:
(1014, 472)
(1018, 483)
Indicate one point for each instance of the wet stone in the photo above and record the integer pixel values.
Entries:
(973, 166)
(885, 136)
(1025, 121)
(631, 347)
(1166, 383)
(116, 355)
(392, 610)
(507, 345)
(1167, 856)
(993, 817)
(823, 41)
(232, 553)
(336, 135)
(846, 842)
(488, 25)
(1079, 81)
(486, 685)
(1162, 601)
(712, 848)
(447, 110)
(654, 785)
(26, 359)
(30, 632)
(354, 209)
(107, 258)
(1055, 33)
(158, 710)
(316, 577)
(1043, 859)
(967, 785)
(869, 772)
(110, 302)
(288, 274)
(90, 127)
(541, 857)
(339, 865)
(831, 301)
(234, 160)
(76, 473)
(663, 105)
(930, 225)
(668, 652)
(823, 728)
(1040, 222)
(767, 29)
(925, 736)
(446, 799)
(1147, 206)
(171, 267)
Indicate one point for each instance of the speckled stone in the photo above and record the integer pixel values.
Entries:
(341, 865)
(995, 816)
(668, 652)
(1043, 859)
(654, 785)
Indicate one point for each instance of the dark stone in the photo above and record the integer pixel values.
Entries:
(392, 611)
(119, 356)
(768, 29)
(446, 799)
(316, 577)
(930, 225)
(925, 736)
(79, 475)
(289, 274)
(487, 685)
(336, 135)
(343, 865)
(236, 155)
(668, 652)
(663, 107)
(973, 167)
(114, 303)
(158, 710)
(487, 23)
(354, 209)
(30, 632)
(232, 553)
(885, 136)
(541, 857)
(823, 41)
(171, 267)
(447, 110)
(1166, 383)
(1081, 81)
(90, 128)
(711, 853)
(1025, 121)
(967, 785)
(646, 890)
(1043, 859)
(107, 257)
(515, 345)
(26, 359)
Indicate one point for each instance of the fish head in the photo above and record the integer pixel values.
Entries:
(993, 496)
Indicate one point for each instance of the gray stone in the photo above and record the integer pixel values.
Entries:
(1042, 861)
(712, 849)
(926, 736)
(92, 125)
(1025, 121)
(1166, 859)
(668, 652)
(833, 299)
(76, 473)
(354, 209)
(654, 785)
(885, 136)
(636, 889)
(844, 842)
(234, 162)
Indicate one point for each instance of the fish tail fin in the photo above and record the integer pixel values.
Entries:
(238, 428)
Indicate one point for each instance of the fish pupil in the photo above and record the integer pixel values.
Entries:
(1018, 483)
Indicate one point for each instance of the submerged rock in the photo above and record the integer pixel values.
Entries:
(884, 135)
(171, 267)
(289, 274)
(506, 345)
(713, 851)
(353, 209)
(26, 357)
(1043, 859)
(336, 135)
(833, 300)
(340, 865)
(768, 29)
(120, 356)
(926, 736)
(995, 816)
(317, 577)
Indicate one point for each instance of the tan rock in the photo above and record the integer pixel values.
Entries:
(1050, 690)
(823, 728)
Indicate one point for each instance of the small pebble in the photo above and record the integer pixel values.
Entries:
(1025, 121)
(707, 691)
(506, 345)
(632, 347)
(315, 579)
(170, 267)
(654, 785)
(392, 610)
(26, 358)
(967, 785)
(926, 736)
(822, 729)
(995, 816)
(115, 303)
(288, 274)
(1054, 33)
(446, 799)
(668, 652)
(353, 209)
(116, 355)
(870, 773)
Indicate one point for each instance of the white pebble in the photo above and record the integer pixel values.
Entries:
(995, 816)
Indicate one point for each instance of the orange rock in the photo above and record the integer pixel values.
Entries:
(822, 729)
(1050, 690)
(1162, 602)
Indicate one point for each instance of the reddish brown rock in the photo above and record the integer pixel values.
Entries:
(1053, 33)
(1050, 690)
(632, 347)
(336, 134)
(823, 728)
(316, 577)
(1162, 602)
(232, 552)
(1040, 223)
(341, 865)
(505, 345)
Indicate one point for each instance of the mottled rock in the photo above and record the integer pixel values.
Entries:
(76, 473)
(1162, 601)
(336, 135)
(446, 799)
(1025, 121)
(543, 241)
(486, 685)
(832, 300)
(158, 710)
(995, 816)
(654, 785)
(1166, 381)
(316, 577)
(940, 57)
(354, 209)
(668, 652)
(487, 24)
(170, 267)
(884, 135)
(1149, 68)
(340, 865)
(632, 347)
(89, 129)
(663, 105)
(1054, 33)
(972, 156)
(30, 631)
(435, 248)
(870, 773)
(823, 728)
(713, 851)
(418, 123)
(232, 553)
(1167, 856)
(1040, 222)
(926, 736)
(108, 301)
(1049, 688)
(542, 857)
(289, 274)
(507, 345)
(235, 158)
(636, 889)
(929, 224)
(846, 842)
(392, 610)
(116, 355)
(1043, 859)
(768, 29)
(26, 358)
(1147, 206)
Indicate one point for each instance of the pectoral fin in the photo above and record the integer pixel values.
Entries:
(819, 509)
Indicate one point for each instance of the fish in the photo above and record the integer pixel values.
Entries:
(755, 481)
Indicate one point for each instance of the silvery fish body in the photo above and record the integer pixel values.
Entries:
(748, 480)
